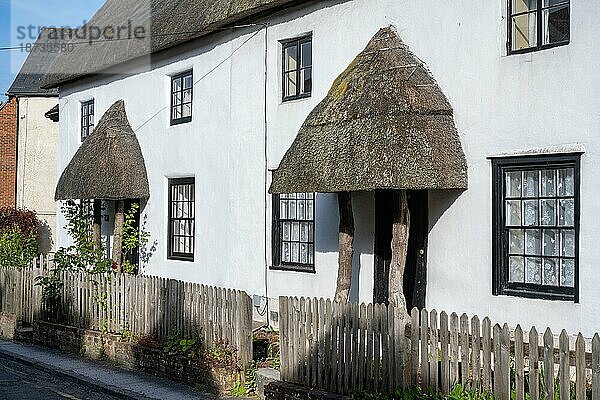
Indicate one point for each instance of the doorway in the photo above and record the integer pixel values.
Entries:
(415, 273)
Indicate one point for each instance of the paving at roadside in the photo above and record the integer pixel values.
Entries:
(55, 375)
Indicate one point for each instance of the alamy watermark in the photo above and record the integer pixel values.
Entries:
(64, 39)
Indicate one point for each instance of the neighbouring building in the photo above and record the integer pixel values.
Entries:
(32, 142)
(254, 116)
(8, 152)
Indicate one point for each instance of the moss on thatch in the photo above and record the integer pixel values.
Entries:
(108, 165)
(385, 124)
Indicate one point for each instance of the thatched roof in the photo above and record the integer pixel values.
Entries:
(166, 23)
(385, 124)
(108, 165)
(36, 67)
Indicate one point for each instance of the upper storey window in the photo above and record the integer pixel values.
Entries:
(537, 24)
(297, 68)
(87, 119)
(181, 97)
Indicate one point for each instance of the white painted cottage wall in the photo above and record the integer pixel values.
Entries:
(501, 104)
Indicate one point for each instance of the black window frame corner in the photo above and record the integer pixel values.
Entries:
(276, 263)
(298, 41)
(171, 255)
(86, 105)
(539, 28)
(500, 284)
(182, 120)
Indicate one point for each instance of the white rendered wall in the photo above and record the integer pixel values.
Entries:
(36, 153)
(502, 104)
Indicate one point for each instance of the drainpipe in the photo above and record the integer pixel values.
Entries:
(266, 174)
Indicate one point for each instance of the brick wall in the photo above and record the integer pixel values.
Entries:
(8, 153)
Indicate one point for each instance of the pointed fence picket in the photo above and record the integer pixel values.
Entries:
(144, 305)
(371, 347)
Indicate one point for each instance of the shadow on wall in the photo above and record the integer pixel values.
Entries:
(45, 238)
(327, 232)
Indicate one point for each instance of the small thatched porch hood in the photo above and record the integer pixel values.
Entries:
(385, 124)
(109, 164)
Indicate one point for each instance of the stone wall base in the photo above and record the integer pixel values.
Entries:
(105, 346)
(8, 326)
(279, 390)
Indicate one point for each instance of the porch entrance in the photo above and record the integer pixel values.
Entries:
(415, 274)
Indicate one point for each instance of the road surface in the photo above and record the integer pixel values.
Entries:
(23, 382)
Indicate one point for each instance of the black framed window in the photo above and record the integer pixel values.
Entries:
(536, 226)
(297, 68)
(537, 24)
(182, 86)
(181, 219)
(294, 232)
(87, 119)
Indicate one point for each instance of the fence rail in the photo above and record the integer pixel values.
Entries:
(144, 305)
(342, 347)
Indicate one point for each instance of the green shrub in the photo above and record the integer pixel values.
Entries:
(16, 249)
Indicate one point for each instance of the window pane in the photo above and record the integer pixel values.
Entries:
(304, 253)
(286, 255)
(176, 99)
(176, 84)
(523, 5)
(304, 232)
(556, 24)
(292, 210)
(306, 80)
(513, 212)
(295, 231)
(567, 273)
(295, 252)
(516, 241)
(524, 31)
(286, 230)
(176, 112)
(187, 82)
(516, 271)
(310, 210)
(306, 49)
(301, 210)
(533, 242)
(550, 276)
(549, 183)
(566, 212)
(533, 270)
(530, 183)
(187, 110)
(290, 84)
(548, 215)
(291, 58)
(567, 243)
(550, 3)
(566, 182)
(187, 96)
(550, 246)
(513, 184)
(530, 213)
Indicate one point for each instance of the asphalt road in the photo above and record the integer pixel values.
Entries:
(24, 382)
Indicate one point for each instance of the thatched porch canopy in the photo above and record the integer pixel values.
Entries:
(109, 164)
(385, 124)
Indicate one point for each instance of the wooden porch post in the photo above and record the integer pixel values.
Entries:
(400, 231)
(117, 241)
(97, 223)
(346, 247)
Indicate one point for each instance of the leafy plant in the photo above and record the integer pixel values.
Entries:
(16, 249)
(238, 390)
(133, 239)
(176, 344)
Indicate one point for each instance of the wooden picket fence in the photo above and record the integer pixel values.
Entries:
(344, 347)
(144, 305)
